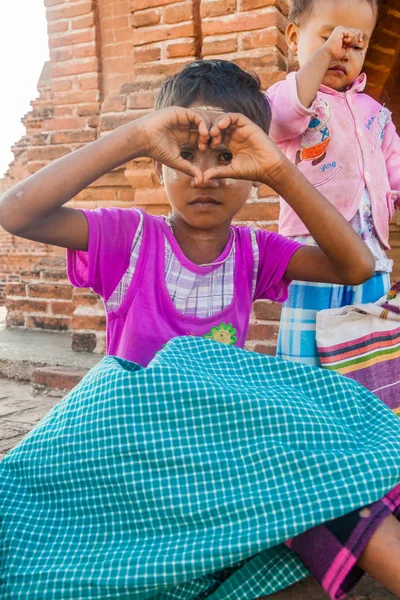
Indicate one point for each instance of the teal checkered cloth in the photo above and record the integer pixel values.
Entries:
(181, 480)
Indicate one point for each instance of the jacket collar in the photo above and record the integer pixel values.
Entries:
(358, 86)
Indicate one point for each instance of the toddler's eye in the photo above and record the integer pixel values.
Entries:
(186, 155)
(226, 156)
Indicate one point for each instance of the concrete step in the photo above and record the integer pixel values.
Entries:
(44, 359)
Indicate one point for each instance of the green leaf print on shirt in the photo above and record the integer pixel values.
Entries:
(226, 334)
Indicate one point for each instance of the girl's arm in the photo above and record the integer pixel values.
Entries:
(310, 76)
(342, 256)
(34, 209)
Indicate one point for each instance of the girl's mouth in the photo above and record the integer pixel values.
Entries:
(204, 201)
(338, 69)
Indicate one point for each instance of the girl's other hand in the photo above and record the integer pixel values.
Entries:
(341, 40)
(255, 156)
(164, 132)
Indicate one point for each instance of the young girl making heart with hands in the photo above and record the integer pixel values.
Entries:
(194, 273)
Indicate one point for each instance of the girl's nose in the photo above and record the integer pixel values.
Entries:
(204, 161)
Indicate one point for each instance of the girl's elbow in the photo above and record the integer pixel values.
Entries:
(364, 270)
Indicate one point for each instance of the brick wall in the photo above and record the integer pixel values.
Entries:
(107, 60)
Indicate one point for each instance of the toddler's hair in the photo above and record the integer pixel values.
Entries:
(300, 7)
(217, 83)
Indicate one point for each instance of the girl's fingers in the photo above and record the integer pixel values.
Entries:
(219, 173)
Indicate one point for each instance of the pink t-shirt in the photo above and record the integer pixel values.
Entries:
(146, 318)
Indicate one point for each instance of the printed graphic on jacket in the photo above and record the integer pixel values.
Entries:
(317, 136)
(381, 123)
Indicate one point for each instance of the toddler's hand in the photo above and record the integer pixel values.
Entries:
(255, 156)
(164, 132)
(341, 40)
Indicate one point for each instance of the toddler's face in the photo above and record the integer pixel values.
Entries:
(205, 205)
(315, 28)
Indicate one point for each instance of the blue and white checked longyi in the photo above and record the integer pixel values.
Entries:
(296, 339)
(180, 481)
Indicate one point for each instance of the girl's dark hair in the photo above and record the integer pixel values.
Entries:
(217, 83)
(300, 7)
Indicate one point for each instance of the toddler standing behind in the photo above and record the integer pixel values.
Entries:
(345, 143)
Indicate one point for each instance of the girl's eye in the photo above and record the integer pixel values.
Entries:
(186, 155)
(226, 156)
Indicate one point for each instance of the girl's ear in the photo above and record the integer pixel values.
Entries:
(158, 170)
(292, 36)
(257, 184)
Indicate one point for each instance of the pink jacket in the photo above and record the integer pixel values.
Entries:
(345, 142)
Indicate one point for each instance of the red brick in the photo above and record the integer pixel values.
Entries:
(141, 4)
(162, 32)
(263, 332)
(91, 322)
(146, 54)
(160, 69)
(15, 319)
(83, 22)
(57, 27)
(76, 67)
(64, 111)
(84, 342)
(15, 289)
(179, 13)
(117, 50)
(114, 104)
(267, 311)
(178, 49)
(215, 46)
(68, 11)
(49, 323)
(260, 211)
(57, 378)
(142, 178)
(141, 100)
(26, 306)
(245, 5)
(109, 122)
(62, 85)
(92, 108)
(77, 97)
(145, 18)
(75, 37)
(264, 39)
(88, 82)
(61, 308)
(268, 349)
(72, 123)
(150, 197)
(217, 8)
(47, 152)
(42, 290)
(265, 190)
(243, 22)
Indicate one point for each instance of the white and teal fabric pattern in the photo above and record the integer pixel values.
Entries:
(181, 480)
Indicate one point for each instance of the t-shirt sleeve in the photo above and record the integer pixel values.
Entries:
(290, 118)
(275, 252)
(111, 233)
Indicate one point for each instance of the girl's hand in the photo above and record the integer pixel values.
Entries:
(164, 132)
(341, 40)
(255, 156)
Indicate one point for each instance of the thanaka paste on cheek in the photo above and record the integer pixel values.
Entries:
(230, 182)
(170, 175)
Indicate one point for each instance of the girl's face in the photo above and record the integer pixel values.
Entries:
(204, 205)
(315, 28)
